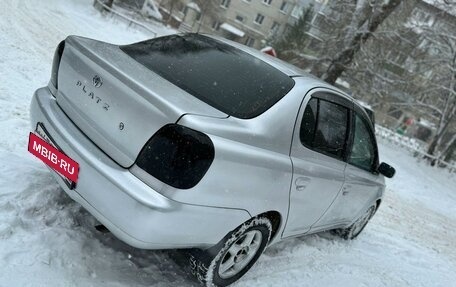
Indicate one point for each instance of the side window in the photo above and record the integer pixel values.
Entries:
(309, 121)
(363, 152)
(324, 127)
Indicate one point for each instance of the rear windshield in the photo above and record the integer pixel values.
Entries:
(224, 77)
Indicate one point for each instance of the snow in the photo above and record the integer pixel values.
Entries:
(426, 123)
(232, 29)
(46, 239)
(444, 5)
(411, 144)
(194, 6)
(343, 83)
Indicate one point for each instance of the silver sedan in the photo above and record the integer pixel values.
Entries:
(195, 142)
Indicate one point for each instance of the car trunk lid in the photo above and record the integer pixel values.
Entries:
(118, 103)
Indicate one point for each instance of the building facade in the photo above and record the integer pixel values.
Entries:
(250, 22)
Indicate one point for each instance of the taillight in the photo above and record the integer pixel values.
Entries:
(177, 156)
(55, 65)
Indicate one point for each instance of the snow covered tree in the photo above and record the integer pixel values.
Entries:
(443, 61)
(99, 4)
(430, 71)
(450, 150)
(417, 63)
(364, 19)
(398, 54)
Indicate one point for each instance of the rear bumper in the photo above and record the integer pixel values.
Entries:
(130, 209)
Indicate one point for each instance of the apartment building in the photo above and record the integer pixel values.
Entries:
(250, 22)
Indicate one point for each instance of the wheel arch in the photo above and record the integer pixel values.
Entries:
(276, 220)
(377, 204)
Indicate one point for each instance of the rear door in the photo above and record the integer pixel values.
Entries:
(363, 185)
(318, 152)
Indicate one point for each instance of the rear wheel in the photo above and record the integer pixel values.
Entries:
(234, 256)
(355, 229)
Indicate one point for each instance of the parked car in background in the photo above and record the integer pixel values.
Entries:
(193, 141)
(270, 51)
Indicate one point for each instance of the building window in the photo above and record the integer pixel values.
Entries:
(315, 43)
(267, 2)
(225, 3)
(275, 27)
(239, 18)
(297, 11)
(411, 64)
(284, 7)
(396, 57)
(421, 17)
(394, 112)
(249, 41)
(215, 25)
(259, 19)
(319, 21)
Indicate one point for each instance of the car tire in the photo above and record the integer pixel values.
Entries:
(229, 260)
(357, 227)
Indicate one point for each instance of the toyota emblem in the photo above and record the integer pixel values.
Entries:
(97, 81)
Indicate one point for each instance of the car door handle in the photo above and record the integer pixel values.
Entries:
(301, 183)
(346, 189)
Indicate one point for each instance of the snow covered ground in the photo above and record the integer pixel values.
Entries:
(48, 240)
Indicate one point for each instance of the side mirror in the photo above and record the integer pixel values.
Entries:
(386, 170)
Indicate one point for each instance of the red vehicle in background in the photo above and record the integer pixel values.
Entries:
(270, 51)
